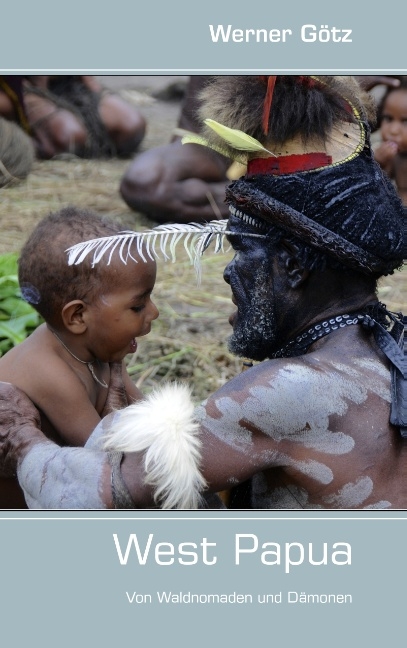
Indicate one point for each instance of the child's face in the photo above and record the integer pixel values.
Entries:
(393, 127)
(122, 313)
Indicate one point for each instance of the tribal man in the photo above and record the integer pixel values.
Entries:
(320, 420)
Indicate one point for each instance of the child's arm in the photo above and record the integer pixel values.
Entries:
(70, 413)
(122, 390)
(66, 404)
(61, 397)
(133, 392)
(385, 154)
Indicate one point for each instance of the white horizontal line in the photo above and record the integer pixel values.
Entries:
(189, 70)
(202, 519)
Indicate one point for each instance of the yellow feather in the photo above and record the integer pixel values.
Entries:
(197, 139)
(237, 138)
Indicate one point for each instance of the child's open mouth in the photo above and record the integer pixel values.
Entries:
(133, 345)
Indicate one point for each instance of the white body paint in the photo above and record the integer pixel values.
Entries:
(294, 405)
(69, 478)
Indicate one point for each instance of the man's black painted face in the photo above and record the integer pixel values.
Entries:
(249, 275)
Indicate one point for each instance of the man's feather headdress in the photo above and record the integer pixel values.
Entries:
(310, 172)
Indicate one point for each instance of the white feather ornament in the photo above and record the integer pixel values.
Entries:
(163, 426)
(162, 239)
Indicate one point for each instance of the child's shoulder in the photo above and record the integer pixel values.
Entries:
(24, 354)
(34, 365)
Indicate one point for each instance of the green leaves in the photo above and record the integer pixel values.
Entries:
(17, 318)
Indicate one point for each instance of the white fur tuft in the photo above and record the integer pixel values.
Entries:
(163, 425)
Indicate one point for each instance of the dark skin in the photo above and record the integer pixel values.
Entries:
(20, 408)
(391, 153)
(288, 428)
(57, 130)
(368, 82)
(23, 424)
(175, 183)
(312, 431)
(283, 462)
(70, 401)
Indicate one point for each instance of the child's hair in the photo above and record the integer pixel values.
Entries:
(380, 108)
(46, 280)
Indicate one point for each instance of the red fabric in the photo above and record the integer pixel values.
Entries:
(288, 163)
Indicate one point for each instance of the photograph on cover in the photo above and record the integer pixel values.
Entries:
(232, 336)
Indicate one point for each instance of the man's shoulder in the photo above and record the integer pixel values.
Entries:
(315, 376)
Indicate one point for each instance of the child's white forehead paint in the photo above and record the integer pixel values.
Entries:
(104, 301)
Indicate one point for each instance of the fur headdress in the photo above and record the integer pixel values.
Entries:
(305, 141)
(310, 167)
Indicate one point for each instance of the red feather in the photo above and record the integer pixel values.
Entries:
(271, 82)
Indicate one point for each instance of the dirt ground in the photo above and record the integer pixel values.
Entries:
(188, 340)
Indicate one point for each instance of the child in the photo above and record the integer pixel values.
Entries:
(391, 153)
(92, 319)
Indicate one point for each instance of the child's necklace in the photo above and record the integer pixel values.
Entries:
(88, 364)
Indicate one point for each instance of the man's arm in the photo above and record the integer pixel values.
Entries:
(50, 476)
(19, 427)
(161, 466)
(53, 477)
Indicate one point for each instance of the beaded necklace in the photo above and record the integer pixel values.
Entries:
(298, 345)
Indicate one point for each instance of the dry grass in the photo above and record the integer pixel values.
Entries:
(393, 291)
(188, 340)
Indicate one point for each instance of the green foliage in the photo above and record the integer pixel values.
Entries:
(17, 318)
